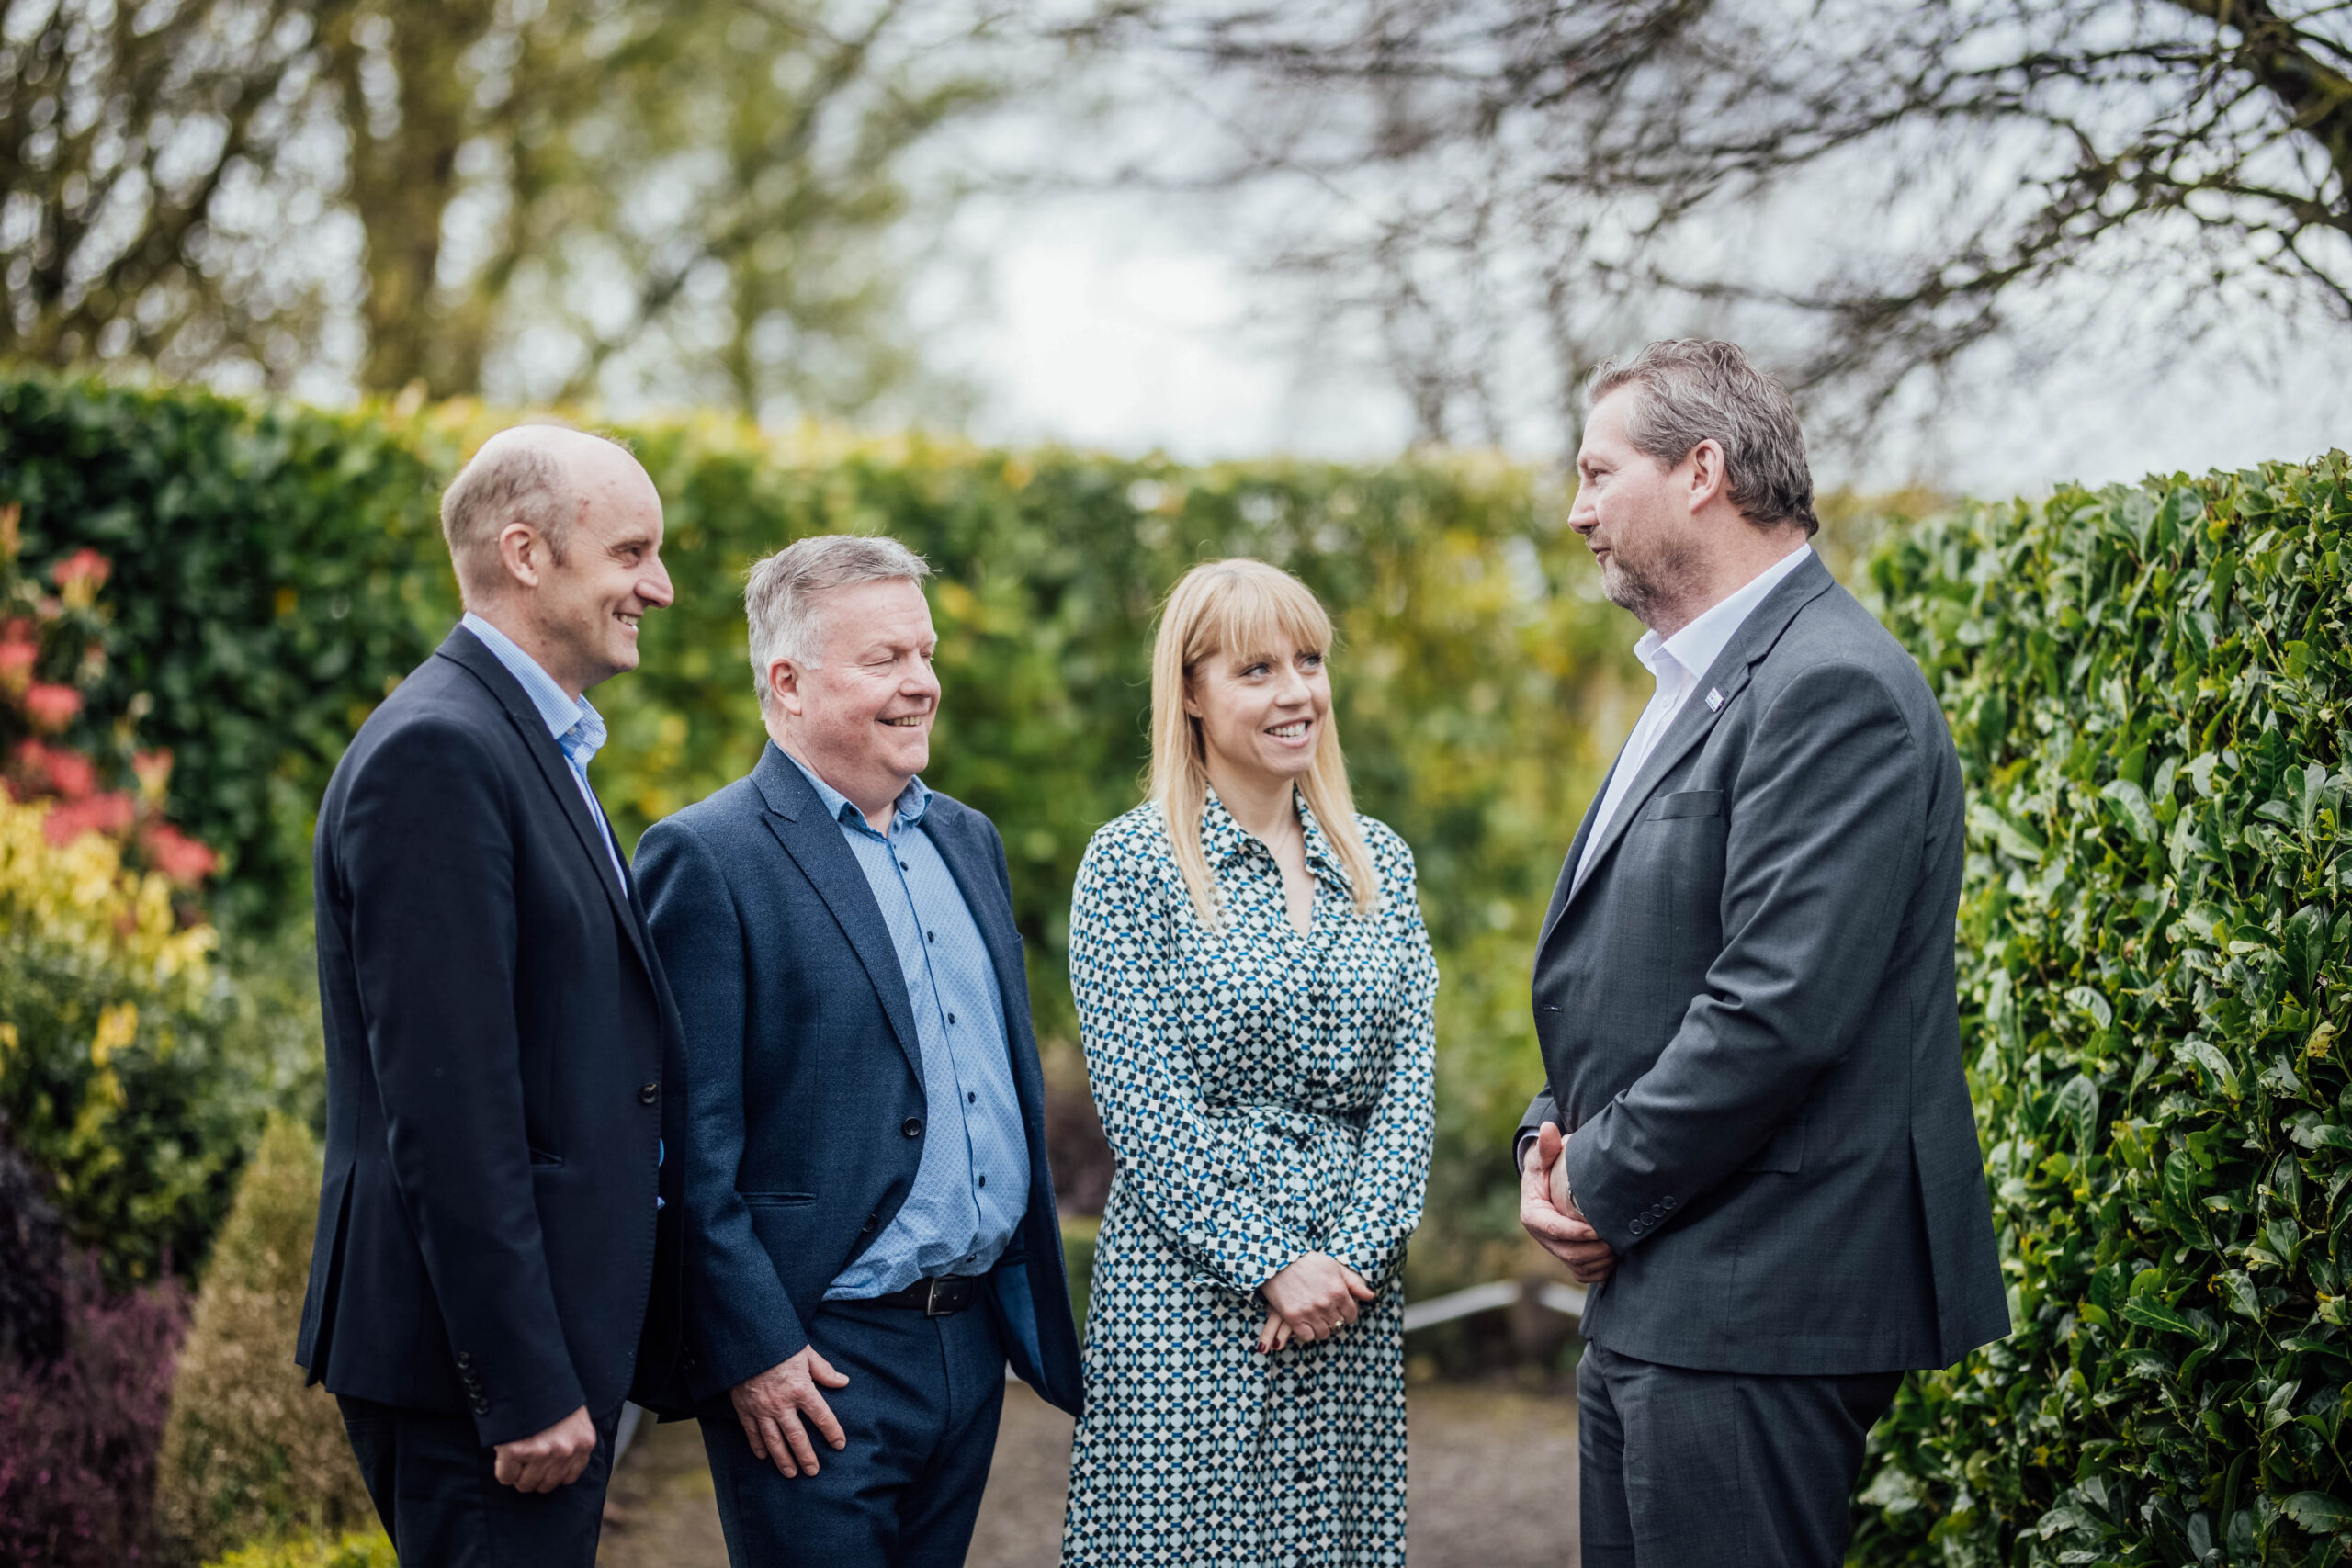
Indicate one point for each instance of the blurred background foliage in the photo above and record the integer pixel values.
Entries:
(2153, 697)
(706, 202)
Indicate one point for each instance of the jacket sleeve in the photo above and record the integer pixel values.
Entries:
(1191, 1176)
(1383, 1208)
(740, 1319)
(426, 853)
(1821, 846)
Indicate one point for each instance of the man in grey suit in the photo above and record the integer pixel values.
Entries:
(1745, 995)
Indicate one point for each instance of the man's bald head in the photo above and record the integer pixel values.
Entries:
(542, 476)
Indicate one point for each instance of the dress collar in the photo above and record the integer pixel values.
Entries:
(1224, 839)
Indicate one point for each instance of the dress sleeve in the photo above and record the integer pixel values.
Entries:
(1385, 1206)
(1188, 1174)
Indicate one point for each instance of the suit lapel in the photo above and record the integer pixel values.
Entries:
(465, 650)
(1561, 889)
(1728, 677)
(797, 819)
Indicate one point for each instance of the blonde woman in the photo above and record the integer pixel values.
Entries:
(1254, 988)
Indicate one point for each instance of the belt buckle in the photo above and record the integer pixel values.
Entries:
(930, 1299)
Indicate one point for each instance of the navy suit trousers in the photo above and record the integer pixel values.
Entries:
(920, 1415)
(437, 1489)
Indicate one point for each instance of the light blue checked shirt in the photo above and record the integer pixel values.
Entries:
(577, 728)
(972, 1186)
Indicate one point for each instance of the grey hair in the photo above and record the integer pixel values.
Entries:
(1687, 390)
(782, 595)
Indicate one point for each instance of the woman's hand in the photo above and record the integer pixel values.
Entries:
(1312, 1299)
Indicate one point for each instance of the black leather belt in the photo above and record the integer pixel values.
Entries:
(932, 1298)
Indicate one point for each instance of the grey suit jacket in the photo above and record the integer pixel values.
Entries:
(1749, 1022)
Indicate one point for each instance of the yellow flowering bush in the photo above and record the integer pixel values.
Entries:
(360, 1550)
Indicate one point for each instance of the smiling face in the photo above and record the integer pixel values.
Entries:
(583, 609)
(1261, 715)
(862, 717)
(1637, 516)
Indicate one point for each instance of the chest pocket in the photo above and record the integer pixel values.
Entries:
(1687, 802)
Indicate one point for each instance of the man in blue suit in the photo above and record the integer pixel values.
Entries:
(870, 1224)
(495, 1268)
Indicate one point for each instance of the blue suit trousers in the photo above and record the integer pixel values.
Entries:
(920, 1415)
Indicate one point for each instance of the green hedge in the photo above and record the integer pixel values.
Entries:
(272, 568)
(2152, 692)
(278, 568)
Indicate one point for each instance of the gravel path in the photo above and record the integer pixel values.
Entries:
(1473, 1505)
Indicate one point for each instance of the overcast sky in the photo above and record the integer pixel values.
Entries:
(1130, 327)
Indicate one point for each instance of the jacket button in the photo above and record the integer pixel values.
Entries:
(464, 1360)
(871, 1221)
(649, 1094)
(913, 1127)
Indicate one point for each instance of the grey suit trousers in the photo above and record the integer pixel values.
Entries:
(1687, 1468)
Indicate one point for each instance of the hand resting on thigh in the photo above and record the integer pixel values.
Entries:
(773, 1405)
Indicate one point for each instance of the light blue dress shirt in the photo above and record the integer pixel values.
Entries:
(972, 1186)
(577, 728)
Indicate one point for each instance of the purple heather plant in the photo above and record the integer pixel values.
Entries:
(79, 1434)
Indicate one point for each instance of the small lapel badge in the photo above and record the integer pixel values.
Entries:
(1715, 700)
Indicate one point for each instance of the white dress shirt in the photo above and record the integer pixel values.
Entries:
(1676, 663)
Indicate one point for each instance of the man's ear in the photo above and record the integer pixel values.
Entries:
(1707, 474)
(783, 686)
(522, 553)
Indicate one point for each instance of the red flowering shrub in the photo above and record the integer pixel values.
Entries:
(50, 707)
(52, 650)
(185, 861)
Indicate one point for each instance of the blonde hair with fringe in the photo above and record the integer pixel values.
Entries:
(1245, 608)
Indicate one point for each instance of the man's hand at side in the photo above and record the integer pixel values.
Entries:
(773, 1405)
(1552, 1218)
(547, 1459)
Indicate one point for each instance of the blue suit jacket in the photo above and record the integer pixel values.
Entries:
(502, 1062)
(807, 1110)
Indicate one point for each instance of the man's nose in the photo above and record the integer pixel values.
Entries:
(653, 586)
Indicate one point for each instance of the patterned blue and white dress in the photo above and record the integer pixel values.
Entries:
(1267, 1095)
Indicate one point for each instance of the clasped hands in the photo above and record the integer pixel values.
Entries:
(1312, 1298)
(1552, 1216)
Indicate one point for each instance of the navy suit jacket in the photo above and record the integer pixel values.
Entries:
(808, 1111)
(503, 1062)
